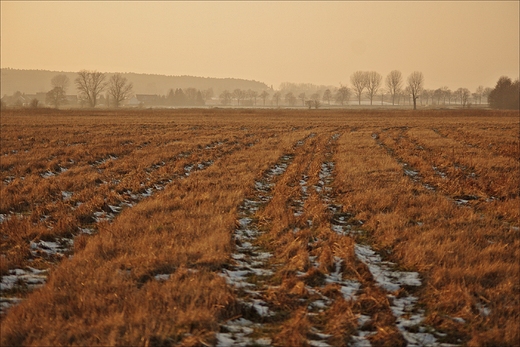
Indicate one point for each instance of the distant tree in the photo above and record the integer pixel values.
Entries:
(415, 83)
(170, 98)
(61, 81)
(34, 103)
(264, 95)
(225, 97)
(208, 94)
(199, 101)
(252, 95)
(238, 94)
(56, 97)
(343, 95)
(394, 83)
(478, 93)
(316, 100)
(119, 89)
(90, 84)
(505, 95)
(438, 94)
(373, 82)
(446, 94)
(309, 103)
(191, 96)
(464, 97)
(327, 95)
(276, 98)
(359, 83)
(179, 97)
(301, 96)
(407, 94)
(486, 93)
(290, 99)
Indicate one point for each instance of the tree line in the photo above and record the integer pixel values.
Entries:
(369, 85)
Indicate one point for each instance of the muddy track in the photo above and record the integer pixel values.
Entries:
(300, 306)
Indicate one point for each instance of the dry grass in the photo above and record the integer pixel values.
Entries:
(108, 292)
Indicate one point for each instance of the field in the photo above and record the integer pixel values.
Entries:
(260, 227)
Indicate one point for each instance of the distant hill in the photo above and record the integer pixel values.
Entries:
(34, 81)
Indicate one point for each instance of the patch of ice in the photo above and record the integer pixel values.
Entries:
(162, 277)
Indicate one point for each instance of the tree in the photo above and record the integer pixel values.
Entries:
(179, 97)
(479, 91)
(56, 97)
(359, 83)
(486, 93)
(225, 97)
(394, 83)
(276, 97)
(119, 89)
(464, 96)
(343, 95)
(302, 98)
(438, 94)
(90, 84)
(290, 99)
(505, 95)
(446, 94)
(207, 94)
(61, 81)
(239, 94)
(264, 95)
(252, 96)
(415, 83)
(373, 82)
(315, 98)
(327, 95)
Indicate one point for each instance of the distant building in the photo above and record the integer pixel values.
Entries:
(148, 99)
(133, 102)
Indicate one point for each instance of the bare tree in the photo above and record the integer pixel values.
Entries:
(359, 83)
(239, 94)
(373, 82)
(479, 92)
(394, 83)
(486, 92)
(119, 89)
(276, 97)
(264, 96)
(290, 99)
(208, 94)
(327, 95)
(61, 81)
(302, 98)
(90, 84)
(415, 82)
(315, 98)
(463, 95)
(342, 95)
(225, 97)
(446, 94)
(438, 94)
(56, 97)
(252, 95)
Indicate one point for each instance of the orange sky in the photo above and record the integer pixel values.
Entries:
(457, 44)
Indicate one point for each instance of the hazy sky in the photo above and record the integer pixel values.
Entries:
(458, 44)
